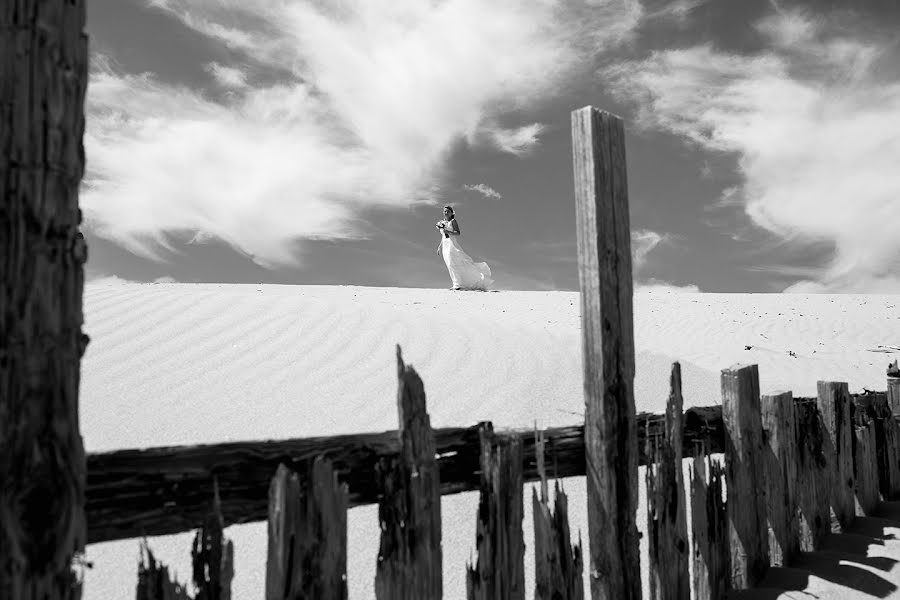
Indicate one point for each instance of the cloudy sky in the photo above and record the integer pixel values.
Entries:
(306, 141)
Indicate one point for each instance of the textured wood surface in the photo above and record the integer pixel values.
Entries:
(865, 469)
(711, 576)
(43, 74)
(213, 556)
(780, 476)
(605, 279)
(747, 524)
(499, 569)
(155, 582)
(558, 565)
(813, 481)
(307, 557)
(667, 539)
(409, 563)
(834, 406)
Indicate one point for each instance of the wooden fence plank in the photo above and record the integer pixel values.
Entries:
(893, 388)
(213, 556)
(834, 406)
(499, 570)
(780, 474)
(409, 559)
(669, 575)
(307, 557)
(813, 481)
(709, 526)
(605, 279)
(892, 458)
(558, 565)
(43, 77)
(865, 469)
(747, 524)
(154, 581)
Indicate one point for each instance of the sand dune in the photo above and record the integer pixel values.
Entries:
(201, 363)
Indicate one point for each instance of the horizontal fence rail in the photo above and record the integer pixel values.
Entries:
(166, 490)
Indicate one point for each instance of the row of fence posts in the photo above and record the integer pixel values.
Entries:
(793, 471)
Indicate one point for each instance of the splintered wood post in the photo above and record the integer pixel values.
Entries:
(409, 559)
(780, 475)
(499, 570)
(891, 459)
(709, 527)
(865, 469)
(666, 511)
(307, 557)
(747, 524)
(605, 279)
(43, 76)
(154, 581)
(813, 481)
(213, 556)
(557, 563)
(834, 405)
(893, 388)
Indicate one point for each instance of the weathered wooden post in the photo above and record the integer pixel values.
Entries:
(307, 558)
(409, 558)
(747, 526)
(813, 480)
(604, 275)
(213, 555)
(558, 565)
(893, 388)
(709, 524)
(780, 475)
(666, 511)
(834, 406)
(43, 74)
(499, 569)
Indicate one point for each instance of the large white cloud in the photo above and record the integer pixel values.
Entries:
(815, 124)
(375, 96)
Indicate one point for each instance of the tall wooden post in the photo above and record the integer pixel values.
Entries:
(893, 388)
(43, 74)
(604, 274)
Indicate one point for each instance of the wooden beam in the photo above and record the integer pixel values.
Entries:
(604, 275)
(43, 77)
(161, 491)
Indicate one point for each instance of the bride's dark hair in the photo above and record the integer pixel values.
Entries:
(450, 208)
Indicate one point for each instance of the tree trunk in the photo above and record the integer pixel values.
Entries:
(43, 75)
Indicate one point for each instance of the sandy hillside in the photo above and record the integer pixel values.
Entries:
(190, 363)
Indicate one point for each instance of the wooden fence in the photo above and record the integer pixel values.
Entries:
(795, 470)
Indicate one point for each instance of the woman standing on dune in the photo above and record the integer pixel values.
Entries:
(464, 272)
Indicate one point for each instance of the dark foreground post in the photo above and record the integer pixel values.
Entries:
(43, 74)
(604, 275)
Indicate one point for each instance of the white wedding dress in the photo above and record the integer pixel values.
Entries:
(465, 273)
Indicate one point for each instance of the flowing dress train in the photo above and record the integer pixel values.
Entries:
(465, 273)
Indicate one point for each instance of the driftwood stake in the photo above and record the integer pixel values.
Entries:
(666, 510)
(780, 475)
(813, 478)
(154, 581)
(43, 75)
(409, 559)
(213, 556)
(709, 525)
(747, 524)
(557, 563)
(604, 274)
(834, 406)
(865, 469)
(893, 388)
(307, 557)
(499, 571)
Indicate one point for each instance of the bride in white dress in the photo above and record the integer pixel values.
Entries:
(465, 273)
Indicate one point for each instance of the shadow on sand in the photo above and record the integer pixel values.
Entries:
(844, 561)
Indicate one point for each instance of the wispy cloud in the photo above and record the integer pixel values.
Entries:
(228, 77)
(374, 100)
(643, 241)
(814, 124)
(483, 189)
